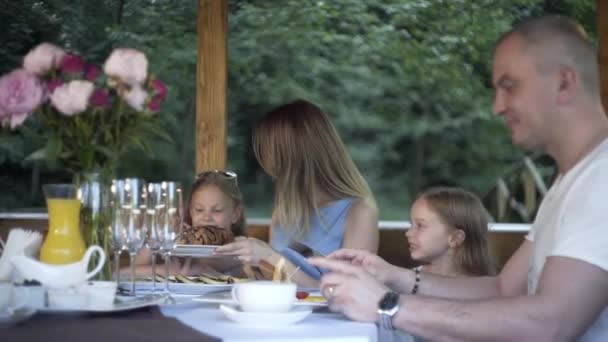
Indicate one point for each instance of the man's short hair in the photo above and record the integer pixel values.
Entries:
(558, 41)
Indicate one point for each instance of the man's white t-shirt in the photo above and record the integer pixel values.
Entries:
(572, 221)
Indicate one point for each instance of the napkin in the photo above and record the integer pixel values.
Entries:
(19, 242)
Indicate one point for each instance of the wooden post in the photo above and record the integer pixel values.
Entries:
(211, 82)
(602, 34)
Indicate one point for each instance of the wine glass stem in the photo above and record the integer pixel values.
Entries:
(132, 261)
(117, 266)
(167, 264)
(153, 271)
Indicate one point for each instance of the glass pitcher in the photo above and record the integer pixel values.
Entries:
(63, 243)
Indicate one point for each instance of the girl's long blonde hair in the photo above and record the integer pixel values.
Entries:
(298, 146)
(461, 209)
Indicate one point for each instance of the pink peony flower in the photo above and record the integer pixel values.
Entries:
(100, 98)
(159, 89)
(73, 97)
(72, 64)
(20, 93)
(51, 85)
(136, 97)
(43, 58)
(91, 72)
(128, 65)
(17, 119)
(154, 104)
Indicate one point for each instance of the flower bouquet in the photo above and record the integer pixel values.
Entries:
(88, 118)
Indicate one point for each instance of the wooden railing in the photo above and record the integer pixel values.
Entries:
(504, 238)
(517, 195)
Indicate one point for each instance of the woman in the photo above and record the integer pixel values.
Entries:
(321, 199)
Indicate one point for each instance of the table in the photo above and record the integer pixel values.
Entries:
(319, 326)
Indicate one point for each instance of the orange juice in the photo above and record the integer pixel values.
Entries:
(63, 243)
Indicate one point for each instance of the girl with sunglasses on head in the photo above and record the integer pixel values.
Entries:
(322, 201)
(214, 215)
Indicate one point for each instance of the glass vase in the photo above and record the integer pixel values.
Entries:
(95, 216)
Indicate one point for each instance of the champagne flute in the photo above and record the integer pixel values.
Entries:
(135, 222)
(156, 217)
(117, 228)
(172, 225)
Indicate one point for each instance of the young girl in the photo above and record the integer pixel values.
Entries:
(215, 200)
(322, 202)
(449, 233)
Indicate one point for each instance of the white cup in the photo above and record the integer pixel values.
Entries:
(101, 294)
(265, 296)
(10, 298)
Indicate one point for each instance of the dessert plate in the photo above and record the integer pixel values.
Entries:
(195, 251)
(314, 299)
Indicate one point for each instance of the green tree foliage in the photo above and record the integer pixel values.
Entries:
(407, 82)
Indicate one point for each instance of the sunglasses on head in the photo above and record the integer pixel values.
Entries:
(225, 174)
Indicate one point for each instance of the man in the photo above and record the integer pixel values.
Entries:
(555, 286)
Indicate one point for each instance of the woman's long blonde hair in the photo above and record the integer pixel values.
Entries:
(298, 146)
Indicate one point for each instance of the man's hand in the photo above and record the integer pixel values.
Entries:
(350, 289)
(372, 263)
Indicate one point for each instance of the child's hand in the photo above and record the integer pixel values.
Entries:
(250, 250)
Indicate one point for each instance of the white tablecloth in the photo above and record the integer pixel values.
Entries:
(328, 327)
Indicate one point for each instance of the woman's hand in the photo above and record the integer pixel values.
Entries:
(247, 249)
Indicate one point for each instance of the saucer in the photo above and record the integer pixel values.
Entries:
(296, 314)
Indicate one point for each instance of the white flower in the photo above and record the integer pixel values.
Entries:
(128, 65)
(43, 58)
(73, 97)
(136, 97)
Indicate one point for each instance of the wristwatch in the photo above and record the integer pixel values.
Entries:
(387, 308)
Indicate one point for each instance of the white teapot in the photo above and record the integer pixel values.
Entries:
(59, 276)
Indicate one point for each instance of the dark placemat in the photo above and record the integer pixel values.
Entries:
(143, 325)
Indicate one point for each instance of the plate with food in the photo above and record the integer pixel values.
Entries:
(304, 297)
(188, 285)
(201, 241)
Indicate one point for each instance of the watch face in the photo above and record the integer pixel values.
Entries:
(389, 301)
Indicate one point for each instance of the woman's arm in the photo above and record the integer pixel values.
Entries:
(361, 227)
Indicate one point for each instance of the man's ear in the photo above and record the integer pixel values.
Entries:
(456, 238)
(568, 85)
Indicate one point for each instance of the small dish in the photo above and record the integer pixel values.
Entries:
(266, 319)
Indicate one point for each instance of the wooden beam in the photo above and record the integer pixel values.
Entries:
(211, 82)
(602, 34)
